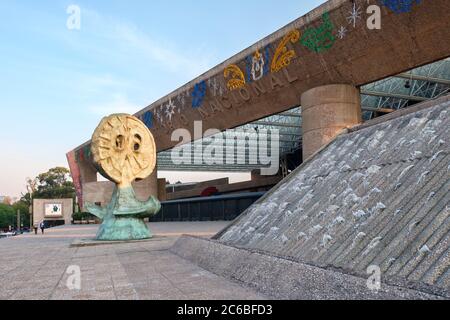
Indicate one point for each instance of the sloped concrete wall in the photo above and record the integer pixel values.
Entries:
(282, 278)
(377, 196)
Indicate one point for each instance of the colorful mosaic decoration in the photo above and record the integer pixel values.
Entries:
(321, 38)
(282, 57)
(83, 154)
(236, 77)
(198, 95)
(258, 65)
(400, 6)
(76, 175)
(147, 119)
(317, 39)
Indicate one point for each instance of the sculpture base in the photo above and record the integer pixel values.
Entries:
(123, 219)
(123, 229)
(81, 243)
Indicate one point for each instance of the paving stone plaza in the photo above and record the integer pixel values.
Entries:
(34, 267)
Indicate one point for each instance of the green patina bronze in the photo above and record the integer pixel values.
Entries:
(123, 217)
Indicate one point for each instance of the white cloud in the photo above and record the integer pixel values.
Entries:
(132, 40)
(173, 59)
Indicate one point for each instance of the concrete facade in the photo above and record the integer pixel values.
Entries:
(101, 192)
(161, 188)
(254, 185)
(88, 172)
(39, 210)
(326, 110)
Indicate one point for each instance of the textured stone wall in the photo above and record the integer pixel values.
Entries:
(39, 210)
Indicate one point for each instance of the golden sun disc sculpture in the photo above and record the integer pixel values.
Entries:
(123, 149)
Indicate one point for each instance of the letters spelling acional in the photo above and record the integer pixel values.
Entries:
(236, 98)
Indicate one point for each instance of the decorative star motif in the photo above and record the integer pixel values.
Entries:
(355, 15)
(181, 99)
(158, 114)
(342, 32)
(170, 110)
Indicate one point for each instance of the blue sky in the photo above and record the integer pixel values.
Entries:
(56, 83)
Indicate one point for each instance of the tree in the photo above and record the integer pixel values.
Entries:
(23, 207)
(54, 184)
(31, 188)
(7, 216)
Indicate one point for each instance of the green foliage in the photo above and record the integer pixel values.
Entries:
(79, 216)
(53, 184)
(7, 216)
(24, 212)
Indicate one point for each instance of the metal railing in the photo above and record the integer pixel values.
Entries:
(215, 208)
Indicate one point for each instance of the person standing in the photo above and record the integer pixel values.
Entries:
(42, 225)
(36, 227)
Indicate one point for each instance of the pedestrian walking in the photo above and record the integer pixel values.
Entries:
(42, 225)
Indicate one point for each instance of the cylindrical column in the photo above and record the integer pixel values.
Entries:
(327, 110)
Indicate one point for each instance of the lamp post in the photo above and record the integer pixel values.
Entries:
(31, 188)
(18, 229)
